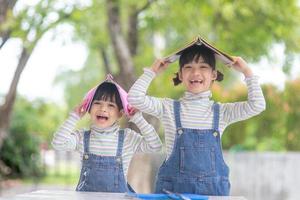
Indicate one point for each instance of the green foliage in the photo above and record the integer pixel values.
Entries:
(33, 122)
(291, 110)
(245, 28)
(276, 129)
(36, 117)
(20, 152)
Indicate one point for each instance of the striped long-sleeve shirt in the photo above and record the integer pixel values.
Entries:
(196, 109)
(104, 141)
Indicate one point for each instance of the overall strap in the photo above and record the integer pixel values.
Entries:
(216, 108)
(86, 141)
(176, 107)
(120, 142)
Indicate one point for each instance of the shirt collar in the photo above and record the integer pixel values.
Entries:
(203, 96)
(113, 129)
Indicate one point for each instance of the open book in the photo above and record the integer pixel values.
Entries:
(225, 58)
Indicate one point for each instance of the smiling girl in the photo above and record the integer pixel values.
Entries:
(193, 125)
(105, 148)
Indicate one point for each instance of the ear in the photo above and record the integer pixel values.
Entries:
(214, 75)
(180, 75)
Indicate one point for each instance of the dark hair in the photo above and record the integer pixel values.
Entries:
(194, 53)
(108, 91)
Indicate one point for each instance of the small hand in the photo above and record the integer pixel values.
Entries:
(160, 65)
(239, 64)
(79, 110)
(132, 111)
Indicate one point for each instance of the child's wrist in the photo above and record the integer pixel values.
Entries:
(136, 117)
(248, 73)
(149, 71)
(74, 115)
(153, 70)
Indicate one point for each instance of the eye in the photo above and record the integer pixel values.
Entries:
(187, 67)
(112, 105)
(204, 66)
(96, 102)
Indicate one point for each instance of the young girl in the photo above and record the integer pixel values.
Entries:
(106, 150)
(194, 124)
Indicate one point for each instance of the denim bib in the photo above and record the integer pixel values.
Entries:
(102, 173)
(196, 164)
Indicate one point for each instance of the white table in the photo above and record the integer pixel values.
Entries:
(73, 195)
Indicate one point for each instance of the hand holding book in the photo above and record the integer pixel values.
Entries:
(160, 65)
(240, 65)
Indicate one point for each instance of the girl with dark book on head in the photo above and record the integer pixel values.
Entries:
(194, 124)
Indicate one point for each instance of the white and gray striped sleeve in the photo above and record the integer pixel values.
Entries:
(149, 140)
(137, 96)
(233, 112)
(66, 138)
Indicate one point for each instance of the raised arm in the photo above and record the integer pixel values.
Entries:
(255, 104)
(137, 94)
(148, 140)
(66, 138)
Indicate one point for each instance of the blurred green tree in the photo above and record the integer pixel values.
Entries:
(27, 24)
(33, 123)
(249, 29)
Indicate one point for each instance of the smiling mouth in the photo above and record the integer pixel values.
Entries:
(196, 81)
(100, 117)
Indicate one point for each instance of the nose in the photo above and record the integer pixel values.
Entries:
(196, 70)
(103, 108)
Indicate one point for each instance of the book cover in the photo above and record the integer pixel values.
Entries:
(225, 58)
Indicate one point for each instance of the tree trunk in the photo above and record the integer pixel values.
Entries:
(126, 76)
(7, 107)
(132, 36)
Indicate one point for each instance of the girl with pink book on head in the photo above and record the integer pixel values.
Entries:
(106, 149)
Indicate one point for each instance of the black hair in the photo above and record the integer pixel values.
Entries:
(194, 53)
(108, 91)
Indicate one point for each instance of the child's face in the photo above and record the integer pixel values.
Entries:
(104, 113)
(197, 76)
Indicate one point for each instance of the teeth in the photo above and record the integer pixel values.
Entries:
(196, 81)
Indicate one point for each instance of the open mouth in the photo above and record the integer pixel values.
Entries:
(100, 117)
(196, 82)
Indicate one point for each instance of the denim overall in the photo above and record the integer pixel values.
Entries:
(196, 163)
(102, 173)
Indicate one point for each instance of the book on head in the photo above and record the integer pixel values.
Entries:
(225, 58)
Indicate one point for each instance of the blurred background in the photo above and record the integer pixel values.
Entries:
(52, 52)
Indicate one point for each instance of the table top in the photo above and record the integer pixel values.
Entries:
(73, 195)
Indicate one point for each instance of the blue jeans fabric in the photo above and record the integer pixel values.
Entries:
(196, 164)
(102, 173)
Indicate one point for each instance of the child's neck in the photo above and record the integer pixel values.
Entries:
(108, 129)
(205, 95)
